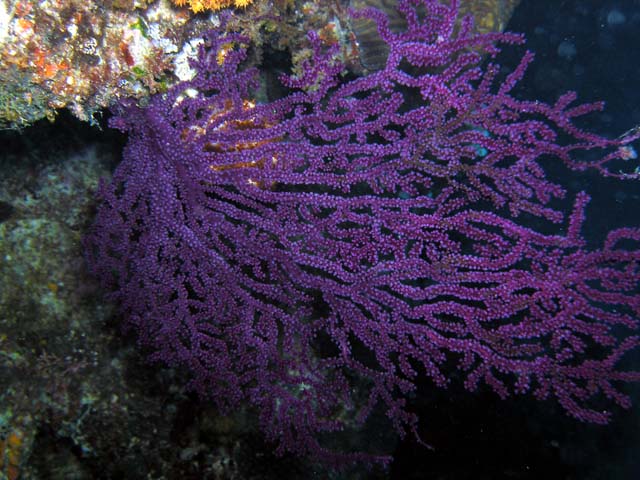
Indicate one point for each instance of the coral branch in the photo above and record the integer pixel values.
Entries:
(364, 234)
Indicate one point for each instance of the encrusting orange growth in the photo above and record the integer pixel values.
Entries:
(10, 455)
(246, 124)
(200, 5)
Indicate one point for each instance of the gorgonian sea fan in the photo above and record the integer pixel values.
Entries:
(365, 233)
